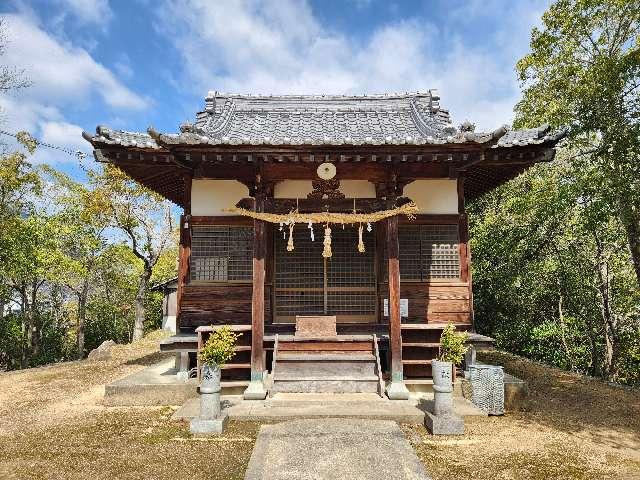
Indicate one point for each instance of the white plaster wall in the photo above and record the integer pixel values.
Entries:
(434, 196)
(301, 188)
(211, 197)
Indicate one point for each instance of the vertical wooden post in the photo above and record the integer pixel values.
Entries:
(256, 390)
(465, 250)
(396, 389)
(184, 249)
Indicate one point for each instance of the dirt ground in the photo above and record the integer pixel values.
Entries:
(53, 426)
(571, 427)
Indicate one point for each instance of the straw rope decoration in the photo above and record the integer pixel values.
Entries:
(408, 209)
(326, 219)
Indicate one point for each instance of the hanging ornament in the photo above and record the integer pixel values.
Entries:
(280, 226)
(290, 242)
(310, 227)
(360, 242)
(326, 252)
(369, 226)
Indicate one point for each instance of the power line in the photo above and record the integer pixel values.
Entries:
(79, 154)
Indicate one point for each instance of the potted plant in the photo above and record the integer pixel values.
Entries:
(451, 353)
(216, 352)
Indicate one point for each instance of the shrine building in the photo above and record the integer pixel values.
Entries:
(327, 229)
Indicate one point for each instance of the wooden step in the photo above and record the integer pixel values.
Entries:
(325, 357)
(229, 366)
(416, 362)
(421, 344)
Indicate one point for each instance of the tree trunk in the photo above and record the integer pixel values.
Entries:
(82, 312)
(138, 328)
(631, 222)
(35, 327)
(24, 308)
(608, 318)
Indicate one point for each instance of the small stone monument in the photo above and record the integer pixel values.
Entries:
(443, 420)
(212, 419)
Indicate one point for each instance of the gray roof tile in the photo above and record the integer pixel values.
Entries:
(414, 119)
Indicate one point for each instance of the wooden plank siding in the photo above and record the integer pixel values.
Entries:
(219, 304)
(432, 302)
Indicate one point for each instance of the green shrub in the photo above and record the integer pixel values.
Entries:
(452, 345)
(219, 347)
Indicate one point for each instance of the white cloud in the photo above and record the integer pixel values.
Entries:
(96, 12)
(264, 47)
(63, 77)
(61, 72)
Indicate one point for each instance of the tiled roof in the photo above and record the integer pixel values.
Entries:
(108, 136)
(412, 118)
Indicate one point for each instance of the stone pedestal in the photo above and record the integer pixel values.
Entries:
(397, 391)
(255, 391)
(182, 365)
(450, 424)
(202, 427)
(211, 420)
(443, 420)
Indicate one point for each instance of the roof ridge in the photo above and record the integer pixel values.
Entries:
(431, 93)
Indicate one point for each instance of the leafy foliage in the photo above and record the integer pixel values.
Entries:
(219, 347)
(452, 345)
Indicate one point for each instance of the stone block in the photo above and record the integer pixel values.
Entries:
(450, 424)
(397, 391)
(202, 427)
(515, 393)
(255, 391)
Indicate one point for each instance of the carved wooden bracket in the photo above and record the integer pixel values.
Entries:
(328, 189)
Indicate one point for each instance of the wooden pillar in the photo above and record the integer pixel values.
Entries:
(184, 249)
(465, 250)
(396, 389)
(256, 390)
(395, 338)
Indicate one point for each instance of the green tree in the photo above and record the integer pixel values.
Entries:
(143, 217)
(583, 73)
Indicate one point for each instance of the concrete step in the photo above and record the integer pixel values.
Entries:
(324, 369)
(327, 385)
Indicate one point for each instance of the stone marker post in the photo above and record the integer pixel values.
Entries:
(443, 420)
(212, 419)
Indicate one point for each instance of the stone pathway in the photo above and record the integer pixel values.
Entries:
(332, 448)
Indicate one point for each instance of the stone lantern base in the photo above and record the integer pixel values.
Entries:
(205, 427)
(448, 424)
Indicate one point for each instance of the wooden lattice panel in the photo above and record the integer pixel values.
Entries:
(343, 285)
(221, 253)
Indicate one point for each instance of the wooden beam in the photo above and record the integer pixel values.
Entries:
(304, 205)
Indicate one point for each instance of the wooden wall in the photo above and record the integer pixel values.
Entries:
(217, 304)
(432, 302)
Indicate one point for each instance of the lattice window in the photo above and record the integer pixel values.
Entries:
(221, 253)
(307, 284)
(429, 252)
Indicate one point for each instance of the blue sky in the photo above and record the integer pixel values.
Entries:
(134, 63)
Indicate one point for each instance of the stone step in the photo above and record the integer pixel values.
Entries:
(327, 385)
(324, 369)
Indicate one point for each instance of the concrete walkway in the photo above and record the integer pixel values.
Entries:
(294, 406)
(326, 449)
